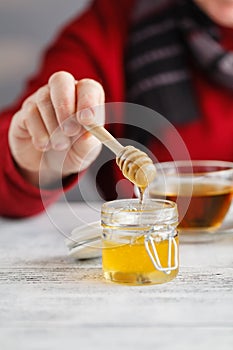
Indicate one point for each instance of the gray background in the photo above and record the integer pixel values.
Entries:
(26, 26)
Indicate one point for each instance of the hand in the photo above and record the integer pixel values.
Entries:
(46, 136)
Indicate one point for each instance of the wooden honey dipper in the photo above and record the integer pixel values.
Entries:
(134, 164)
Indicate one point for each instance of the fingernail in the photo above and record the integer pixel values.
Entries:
(61, 146)
(59, 141)
(70, 127)
(86, 116)
(43, 146)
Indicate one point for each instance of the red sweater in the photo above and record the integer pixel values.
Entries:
(92, 46)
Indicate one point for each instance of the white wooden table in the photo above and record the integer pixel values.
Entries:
(49, 301)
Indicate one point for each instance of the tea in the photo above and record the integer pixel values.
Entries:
(209, 203)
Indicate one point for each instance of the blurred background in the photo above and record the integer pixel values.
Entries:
(26, 26)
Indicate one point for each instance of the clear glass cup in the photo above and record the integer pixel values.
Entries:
(140, 241)
(202, 189)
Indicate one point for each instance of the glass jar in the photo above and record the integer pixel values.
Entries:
(140, 241)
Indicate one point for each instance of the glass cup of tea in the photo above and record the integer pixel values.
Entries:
(202, 189)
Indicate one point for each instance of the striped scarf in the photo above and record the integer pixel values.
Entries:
(164, 42)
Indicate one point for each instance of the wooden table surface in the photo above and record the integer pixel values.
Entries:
(49, 301)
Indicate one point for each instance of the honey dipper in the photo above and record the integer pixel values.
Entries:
(134, 164)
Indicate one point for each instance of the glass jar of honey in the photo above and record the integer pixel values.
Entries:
(140, 241)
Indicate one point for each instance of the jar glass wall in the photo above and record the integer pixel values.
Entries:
(140, 241)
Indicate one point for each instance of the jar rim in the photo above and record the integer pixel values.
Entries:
(131, 212)
(160, 203)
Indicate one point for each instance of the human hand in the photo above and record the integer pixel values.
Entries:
(46, 136)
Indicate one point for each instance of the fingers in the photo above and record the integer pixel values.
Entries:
(62, 86)
(39, 118)
(68, 97)
(85, 152)
(36, 128)
(50, 114)
(58, 140)
(90, 94)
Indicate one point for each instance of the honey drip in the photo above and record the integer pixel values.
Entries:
(141, 194)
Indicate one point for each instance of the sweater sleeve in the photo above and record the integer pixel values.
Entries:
(90, 46)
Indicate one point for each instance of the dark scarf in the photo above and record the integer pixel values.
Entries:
(162, 46)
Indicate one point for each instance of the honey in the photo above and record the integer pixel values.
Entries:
(130, 263)
(140, 241)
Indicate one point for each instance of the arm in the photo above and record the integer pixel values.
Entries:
(41, 151)
(25, 129)
(25, 132)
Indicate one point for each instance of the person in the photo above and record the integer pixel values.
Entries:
(172, 56)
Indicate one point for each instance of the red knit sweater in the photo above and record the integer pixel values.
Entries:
(93, 46)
